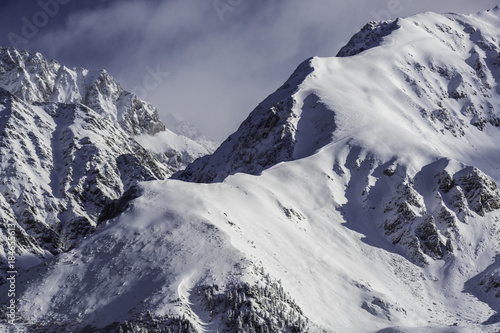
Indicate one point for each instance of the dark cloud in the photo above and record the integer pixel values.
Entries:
(222, 56)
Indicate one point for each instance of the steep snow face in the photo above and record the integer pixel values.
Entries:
(401, 95)
(71, 142)
(181, 248)
(61, 164)
(425, 87)
(265, 138)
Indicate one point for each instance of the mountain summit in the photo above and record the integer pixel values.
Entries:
(390, 86)
(71, 142)
(400, 99)
(361, 196)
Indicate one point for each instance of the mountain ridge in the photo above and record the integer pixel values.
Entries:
(71, 142)
(454, 86)
(360, 196)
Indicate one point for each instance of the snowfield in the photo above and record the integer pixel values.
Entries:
(360, 197)
(177, 236)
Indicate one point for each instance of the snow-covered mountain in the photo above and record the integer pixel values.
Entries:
(361, 196)
(186, 129)
(435, 99)
(71, 141)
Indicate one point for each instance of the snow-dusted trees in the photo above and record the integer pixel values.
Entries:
(259, 308)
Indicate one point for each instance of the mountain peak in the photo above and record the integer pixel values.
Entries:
(265, 138)
(69, 147)
(32, 78)
(371, 35)
(434, 74)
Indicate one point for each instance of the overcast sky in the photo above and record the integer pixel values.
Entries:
(208, 62)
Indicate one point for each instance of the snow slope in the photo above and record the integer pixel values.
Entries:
(71, 142)
(435, 79)
(360, 197)
(178, 238)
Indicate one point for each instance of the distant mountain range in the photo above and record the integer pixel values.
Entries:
(71, 142)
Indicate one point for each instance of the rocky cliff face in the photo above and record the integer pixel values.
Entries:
(61, 164)
(68, 148)
(424, 214)
(264, 139)
(32, 78)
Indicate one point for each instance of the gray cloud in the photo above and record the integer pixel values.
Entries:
(223, 57)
